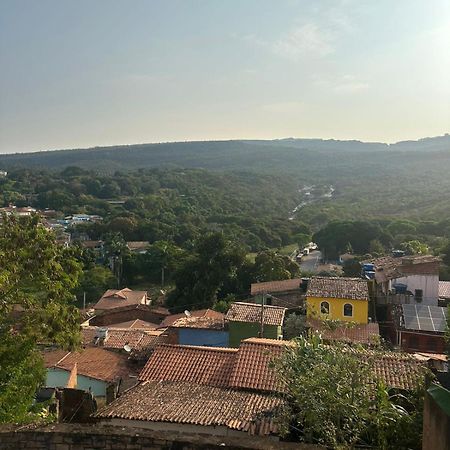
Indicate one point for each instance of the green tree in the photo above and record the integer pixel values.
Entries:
(36, 281)
(414, 247)
(335, 399)
(203, 273)
(94, 282)
(271, 266)
(446, 253)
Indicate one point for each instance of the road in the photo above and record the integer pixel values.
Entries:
(310, 262)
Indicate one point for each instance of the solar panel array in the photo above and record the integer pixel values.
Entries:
(424, 318)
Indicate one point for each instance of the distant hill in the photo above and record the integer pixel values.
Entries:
(282, 154)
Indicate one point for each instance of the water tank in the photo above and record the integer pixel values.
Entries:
(400, 288)
(368, 267)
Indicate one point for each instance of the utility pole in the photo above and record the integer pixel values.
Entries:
(263, 301)
(84, 300)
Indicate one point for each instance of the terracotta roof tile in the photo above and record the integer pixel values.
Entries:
(195, 404)
(114, 298)
(138, 245)
(252, 369)
(214, 323)
(210, 313)
(203, 365)
(356, 333)
(51, 357)
(142, 342)
(398, 370)
(92, 362)
(338, 287)
(251, 312)
(137, 324)
(444, 289)
(276, 286)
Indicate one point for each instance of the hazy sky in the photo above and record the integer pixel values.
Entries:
(82, 73)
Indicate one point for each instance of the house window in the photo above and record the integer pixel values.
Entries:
(348, 310)
(418, 295)
(325, 308)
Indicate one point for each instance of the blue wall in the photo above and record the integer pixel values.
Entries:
(210, 338)
(59, 378)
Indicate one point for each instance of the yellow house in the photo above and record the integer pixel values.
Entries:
(338, 298)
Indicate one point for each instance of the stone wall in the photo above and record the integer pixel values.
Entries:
(90, 437)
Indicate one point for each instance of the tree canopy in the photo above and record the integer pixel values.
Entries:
(37, 278)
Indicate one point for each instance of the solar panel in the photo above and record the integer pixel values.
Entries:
(424, 318)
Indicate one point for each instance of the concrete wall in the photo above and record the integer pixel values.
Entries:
(243, 330)
(90, 437)
(436, 426)
(59, 378)
(336, 311)
(428, 283)
(210, 338)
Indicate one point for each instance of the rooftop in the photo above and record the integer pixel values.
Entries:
(203, 313)
(351, 333)
(195, 404)
(389, 268)
(338, 287)
(249, 367)
(92, 362)
(444, 289)
(211, 323)
(203, 365)
(276, 286)
(251, 312)
(252, 369)
(138, 245)
(114, 298)
(137, 324)
(140, 341)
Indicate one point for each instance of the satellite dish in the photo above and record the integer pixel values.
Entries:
(162, 291)
(127, 348)
(187, 313)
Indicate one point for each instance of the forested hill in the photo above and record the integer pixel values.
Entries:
(281, 155)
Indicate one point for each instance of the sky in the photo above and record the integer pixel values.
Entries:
(84, 73)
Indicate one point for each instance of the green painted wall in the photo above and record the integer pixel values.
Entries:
(243, 330)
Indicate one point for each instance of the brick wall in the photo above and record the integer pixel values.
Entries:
(90, 437)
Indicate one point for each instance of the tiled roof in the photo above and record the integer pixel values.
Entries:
(444, 289)
(186, 403)
(212, 323)
(138, 245)
(210, 313)
(114, 298)
(397, 370)
(51, 357)
(356, 333)
(389, 268)
(276, 286)
(141, 341)
(251, 312)
(203, 365)
(252, 369)
(92, 362)
(137, 324)
(338, 287)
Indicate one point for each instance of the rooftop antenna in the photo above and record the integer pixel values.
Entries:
(187, 313)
